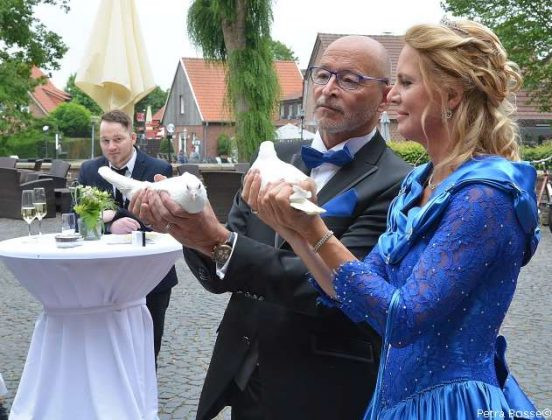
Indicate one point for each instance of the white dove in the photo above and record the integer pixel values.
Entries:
(187, 190)
(272, 169)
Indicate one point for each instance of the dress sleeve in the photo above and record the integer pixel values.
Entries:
(476, 229)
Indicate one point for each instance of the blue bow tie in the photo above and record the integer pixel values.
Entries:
(313, 158)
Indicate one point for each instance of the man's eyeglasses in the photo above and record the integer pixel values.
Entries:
(346, 79)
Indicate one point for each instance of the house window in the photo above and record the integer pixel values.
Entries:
(183, 142)
(282, 111)
(295, 111)
(182, 108)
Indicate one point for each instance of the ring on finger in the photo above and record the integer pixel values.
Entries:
(254, 211)
(168, 227)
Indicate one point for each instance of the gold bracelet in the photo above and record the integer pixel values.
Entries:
(322, 241)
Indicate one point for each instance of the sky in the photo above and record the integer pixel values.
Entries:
(296, 23)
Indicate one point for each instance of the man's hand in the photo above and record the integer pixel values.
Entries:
(251, 188)
(275, 210)
(138, 197)
(124, 225)
(200, 231)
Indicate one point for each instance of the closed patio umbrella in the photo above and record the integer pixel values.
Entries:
(115, 71)
(290, 131)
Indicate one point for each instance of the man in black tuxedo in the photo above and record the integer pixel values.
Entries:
(278, 354)
(117, 142)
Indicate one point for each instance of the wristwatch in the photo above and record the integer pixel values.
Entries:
(221, 252)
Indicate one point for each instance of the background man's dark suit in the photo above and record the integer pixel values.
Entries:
(313, 362)
(145, 168)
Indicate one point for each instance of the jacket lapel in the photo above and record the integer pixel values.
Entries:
(296, 161)
(139, 166)
(100, 182)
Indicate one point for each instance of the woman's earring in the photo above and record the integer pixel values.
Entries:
(447, 114)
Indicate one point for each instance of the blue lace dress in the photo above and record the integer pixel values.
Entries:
(447, 272)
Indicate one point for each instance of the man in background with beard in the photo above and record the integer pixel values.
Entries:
(278, 354)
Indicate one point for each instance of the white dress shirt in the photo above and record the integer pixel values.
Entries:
(323, 173)
(130, 167)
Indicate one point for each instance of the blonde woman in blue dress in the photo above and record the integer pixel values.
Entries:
(438, 284)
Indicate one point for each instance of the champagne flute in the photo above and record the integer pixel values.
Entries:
(28, 211)
(40, 206)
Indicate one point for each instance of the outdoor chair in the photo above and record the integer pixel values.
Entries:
(221, 188)
(38, 165)
(58, 172)
(28, 175)
(7, 162)
(189, 167)
(10, 193)
(241, 167)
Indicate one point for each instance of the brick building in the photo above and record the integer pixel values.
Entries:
(197, 106)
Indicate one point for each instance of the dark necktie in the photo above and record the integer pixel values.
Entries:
(313, 158)
(118, 195)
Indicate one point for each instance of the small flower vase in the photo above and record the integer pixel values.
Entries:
(93, 233)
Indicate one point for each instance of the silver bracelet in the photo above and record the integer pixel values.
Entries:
(322, 241)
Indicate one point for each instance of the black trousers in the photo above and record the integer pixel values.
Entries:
(157, 304)
(246, 404)
(3, 413)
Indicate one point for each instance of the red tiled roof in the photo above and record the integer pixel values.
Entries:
(47, 95)
(394, 44)
(159, 114)
(207, 81)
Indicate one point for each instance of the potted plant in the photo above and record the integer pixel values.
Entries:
(90, 203)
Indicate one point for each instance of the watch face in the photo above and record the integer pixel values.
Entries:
(222, 253)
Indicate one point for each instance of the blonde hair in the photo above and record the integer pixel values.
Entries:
(468, 55)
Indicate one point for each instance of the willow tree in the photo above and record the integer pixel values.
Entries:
(237, 32)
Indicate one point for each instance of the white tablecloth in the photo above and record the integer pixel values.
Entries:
(91, 355)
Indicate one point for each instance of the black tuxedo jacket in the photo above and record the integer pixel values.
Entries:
(314, 363)
(144, 170)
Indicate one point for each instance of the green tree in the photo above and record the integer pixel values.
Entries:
(24, 42)
(224, 145)
(525, 29)
(281, 51)
(72, 119)
(237, 32)
(156, 99)
(81, 98)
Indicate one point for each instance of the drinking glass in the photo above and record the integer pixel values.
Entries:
(40, 206)
(68, 223)
(28, 210)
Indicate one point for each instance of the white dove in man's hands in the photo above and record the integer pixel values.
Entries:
(187, 190)
(272, 169)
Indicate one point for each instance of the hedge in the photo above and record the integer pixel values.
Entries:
(410, 151)
(415, 154)
(31, 144)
